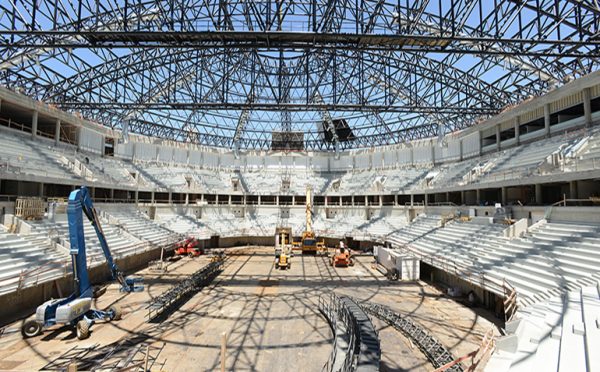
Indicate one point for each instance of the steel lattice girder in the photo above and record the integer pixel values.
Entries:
(394, 70)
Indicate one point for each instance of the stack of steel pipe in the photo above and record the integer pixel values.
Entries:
(187, 286)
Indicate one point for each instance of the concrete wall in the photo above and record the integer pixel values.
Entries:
(436, 276)
(590, 215)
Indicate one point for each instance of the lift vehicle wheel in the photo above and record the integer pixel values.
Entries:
(31, 328)
(83, 329)
(191, 255)
(117, 314)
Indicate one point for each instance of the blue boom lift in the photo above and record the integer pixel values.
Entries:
(76, 310)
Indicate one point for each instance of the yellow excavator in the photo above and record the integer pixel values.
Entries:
(309, 240)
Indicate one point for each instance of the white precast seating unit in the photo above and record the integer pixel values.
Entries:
(21, 155)
(592, 150)
(262, 182)
(452, 173)
(548, 260)
(185, 224)
(223, 222)
(111, 171)
(35, 258)
(120, 243)
(211, 181)
(561, 333)
(381, 227)
(167, 177)
(523, 160)
(139, 225)
(554, 257)
(420, 226)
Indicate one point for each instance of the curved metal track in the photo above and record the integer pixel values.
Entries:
(437, 354)
(230, 73)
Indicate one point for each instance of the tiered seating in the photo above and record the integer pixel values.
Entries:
(21, 155)
(186, 225)
(211, 181)
(523, 160)
(560, 333)
(593, 147)
(422, 225)
(550, 259)
(139, 225)
(110, 171)
(380, 227)
(167, 177)
(453, 173)
(121, 244)
(33, 257)
(262, 182)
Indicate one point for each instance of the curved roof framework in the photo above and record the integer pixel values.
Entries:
(230, 73)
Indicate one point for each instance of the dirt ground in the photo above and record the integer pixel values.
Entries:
(268, 316)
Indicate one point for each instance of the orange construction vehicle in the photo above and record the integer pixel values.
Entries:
(189, 247)
(342, 257)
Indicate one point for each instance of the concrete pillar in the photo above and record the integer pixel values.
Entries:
(426, 199)
(504, 191)
(447, 197)
(462, 197)
(112, 194)
(93, 191)
(480, 144)
(187, 199)
(41, 189)
(34, 124)
(547, 119)
(259, 200)
(170, 197)
(412, 200)
(57, 132)
(396, 199)
(573, 190)
(341, 204)
(380, 200)
(366, 200)
(326, 201)
(517, 130)
(293, 199)
(538, 194)
(136, 196)
(352, 200)
(478, 196)
(587, 107)
(460, 152)
(498, 137)
(152, 197)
